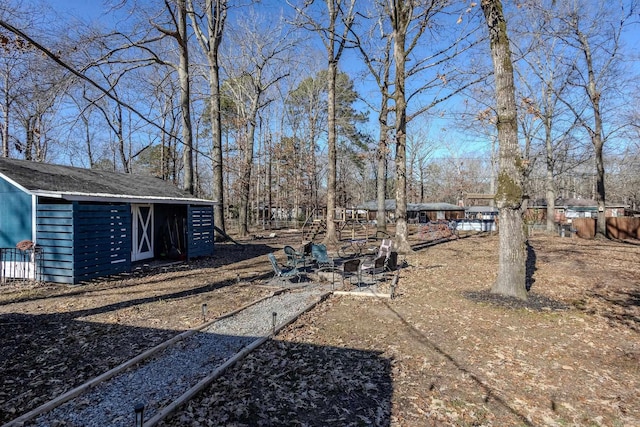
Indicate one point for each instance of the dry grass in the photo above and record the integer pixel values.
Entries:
(444, 352)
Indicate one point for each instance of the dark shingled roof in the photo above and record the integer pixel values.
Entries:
(390, 204)
(68, 182)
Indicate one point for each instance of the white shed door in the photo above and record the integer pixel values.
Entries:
(142, 247)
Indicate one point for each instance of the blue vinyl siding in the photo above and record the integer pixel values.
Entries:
(200, 233)
(54, 225)
(15, 215)
(83, 242)
(102, 240)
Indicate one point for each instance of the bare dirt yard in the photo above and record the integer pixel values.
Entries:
(444, 352)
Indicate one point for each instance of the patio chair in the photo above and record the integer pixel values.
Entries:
(392, 262)
(294, 257)
(351, 268)
(306, 249)
(385, 247)
(279, 272)
(374, 266)
(319, 255)
(380, 265)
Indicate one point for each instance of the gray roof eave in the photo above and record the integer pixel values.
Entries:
(122, 198)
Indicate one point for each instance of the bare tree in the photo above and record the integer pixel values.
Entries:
(208, 26)
(511, 278)
(544, 78)
(178, 31)
(333, 27)
(409, 20)
(377, 54)
(594, 32)
(259, 66)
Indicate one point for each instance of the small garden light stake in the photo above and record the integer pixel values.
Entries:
(204, 312)
(274, 316)
(139, 413)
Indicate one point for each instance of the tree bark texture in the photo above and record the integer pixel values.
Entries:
(216, 14)
(185, 98)
(331, 236)
(596, 134)
(401, 17)
(381, 171)
(511, 279)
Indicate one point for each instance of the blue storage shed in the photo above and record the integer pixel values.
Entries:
(88, 223)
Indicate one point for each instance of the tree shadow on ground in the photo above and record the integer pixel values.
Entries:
(533, 302)
(490, 396)
(282, 383)
(530, 267)
(227, 256)
(291, 383)
(430, 243)
(620, 307)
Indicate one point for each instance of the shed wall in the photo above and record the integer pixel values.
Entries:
(54, 225)
(15, 215)
(81, 242)
(200, 236)
(102, 240)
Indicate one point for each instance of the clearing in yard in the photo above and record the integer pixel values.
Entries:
(443, 352)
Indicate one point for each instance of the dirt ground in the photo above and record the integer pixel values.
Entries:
(444, 352)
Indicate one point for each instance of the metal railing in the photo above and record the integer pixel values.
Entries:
(21, 266)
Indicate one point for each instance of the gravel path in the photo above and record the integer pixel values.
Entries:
(166, 376)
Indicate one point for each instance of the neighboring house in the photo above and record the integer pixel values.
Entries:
(568, 209)
(481, 212)
(91, 223)
(417, 212)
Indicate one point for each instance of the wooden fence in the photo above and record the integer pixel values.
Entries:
(623, 228)
(617, 227)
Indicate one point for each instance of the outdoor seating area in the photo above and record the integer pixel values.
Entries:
(365, 267)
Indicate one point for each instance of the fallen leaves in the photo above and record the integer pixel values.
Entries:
(445, 352)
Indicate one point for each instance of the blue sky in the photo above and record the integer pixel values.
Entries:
(98, 11)
(435, 128)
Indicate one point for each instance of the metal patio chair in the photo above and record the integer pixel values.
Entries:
(320, 256)
(294, 258)
(283, 273)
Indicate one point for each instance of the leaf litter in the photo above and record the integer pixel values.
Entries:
(444, 352)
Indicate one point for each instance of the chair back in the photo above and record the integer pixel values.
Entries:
(292, 256)
(385, 247)
(351, 266)
(392, 261)
(274, 264)
(306, 249)
(319, 253)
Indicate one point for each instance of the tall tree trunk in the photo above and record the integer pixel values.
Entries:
(596, 134)
(381, 165)
(216, 13)
(185, 98)
(331, 236)
(245, 169)
(122, 152)
(549, 184)
(511, 280)
(401, 19)
(5, 127)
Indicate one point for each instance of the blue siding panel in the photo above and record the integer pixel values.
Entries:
(83, 242)
(54, 225)
(102, 240)
(200, 233)
(15, 215)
